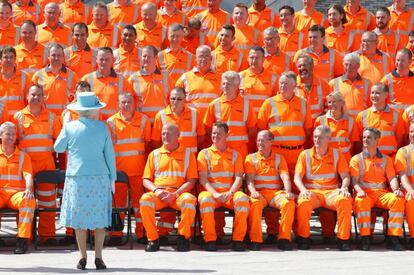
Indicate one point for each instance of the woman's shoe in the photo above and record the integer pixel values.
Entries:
(81, 264)
(99, 264)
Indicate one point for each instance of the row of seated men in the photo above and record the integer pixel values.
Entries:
(286, 115)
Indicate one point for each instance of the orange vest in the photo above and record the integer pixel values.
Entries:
(33, 60)
(9, 36)
(78, 12)
(80, 61)
(126, 62)
(121, 16)
(103, 37)
(233, 60)
(211, 23)
(30, 12)
(376, 67)
(278, 63)
(315, 96)
(175, 63)
(263, 19)
(155, 37)
(13, 169)
(401, 89)
(14, 90)
(62, 35)
(404, 162)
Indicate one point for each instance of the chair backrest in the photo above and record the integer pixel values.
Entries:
(50, 176)
(121, 176)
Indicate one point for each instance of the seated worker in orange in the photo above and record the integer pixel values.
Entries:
(359, 18)
(354, 88)
(57, 80)
(202, 83)
(401, 81)
(327, 61)
(26, 10)
(149, 30)
(16, 184)
(374, 64)
(9, 34)
(194, 36)
(37, 128)
(188, 120)
(75, 11)
(338, 35)
(102, 33)
(344, 135)
(123, 12)
(150, 85)
(291, 40)
(387, 120)
(256, 83)
(236, 111)
(13, 82)
(404, 168)
(31, 55)
(131, 136)
(80, 57)
(213, 19)
(266, 173)
(262, 17)
(221, 175)
(288, 117)
(402, 16)
(52, 30)
(371, 172)
(309, 16)
(316, 176)
(226, 57)
(389, 41)
(311, 87)
(174, 60)
(410, 46)
(127, 55)
(168, 14)
(275, 60)
(169, 176)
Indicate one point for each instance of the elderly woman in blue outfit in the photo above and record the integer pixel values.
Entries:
(90, 174)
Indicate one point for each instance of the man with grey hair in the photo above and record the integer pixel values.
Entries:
(52, 30)
(316, 176)
(354, 88)
(275, 60)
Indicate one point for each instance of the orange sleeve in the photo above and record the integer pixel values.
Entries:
(201, 162)
(251, 118)
(192, 172)
(209, 117)
(56, 127)
(147, 130)
(301, 164)
(200, 126)
(263, 114)
(72, 87)
(35, 77)
(372, 23)
(389, 169)
(400, 162)
(15, 122)
(238, 167)
(358, 124)
(354, 134)
(27, 165)
(406, 120)
(248, 165)
(354, 167)
(342, 166)
(149, 168)
(180, 82)
(156, 128)
(400, 129)
(283, 167)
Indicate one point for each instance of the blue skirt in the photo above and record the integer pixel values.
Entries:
(87, 202)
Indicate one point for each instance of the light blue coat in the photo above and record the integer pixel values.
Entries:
(89, 146)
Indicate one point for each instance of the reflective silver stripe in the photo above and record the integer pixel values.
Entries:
(137, 87)
(163, 34)
(300, 42)
(28, 210)
(108, 112)
(267, 185)
(162, 61)
(220, 185)
(364, 225)
(387, 148)
(86, 8)
(242, 199)
(395, 225)
(258, 97)
(129, 153)
(94, 53)
(192, 133)
(70, 79)
(12, 188)
(39, 149)
(286, 124)
(200, 95)
(35, 136)
(350, 40)
(183, 174)
(239, 60)
(409, 170)
(116, 59)
(151, 108)
(10, 177)
(336, 84)
(115, 37)
(12, 97)
(112, 126)
(256, 36)
(67, 56)
(396, 215)
(135, 17)
(165, 224)
(320, 96)
(25, 220)
(319, 186)
(206, 210)
(241, 209)
(362, 173)
(331, 64)
(237, 138)
(189, 60)
(146, 203)
(156, 159)
(40, 76)
(339, 139)
(202, 39)
(45, 54)
(410, 24)
(46, 193)
(207, 199)
(55, 106)
(274, 78)
(391, 87)
(120, 84)
(289, 138)
(128, 140)
(309, 174)
(187, 206)
(90, 79)
(221, 174)
(363, 214)
(385, 63)
(46, 203)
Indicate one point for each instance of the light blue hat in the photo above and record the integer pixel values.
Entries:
(86, 101)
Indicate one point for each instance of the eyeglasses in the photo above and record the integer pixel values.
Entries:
(176, 98)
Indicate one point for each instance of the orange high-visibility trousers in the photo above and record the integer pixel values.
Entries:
(14, 199)
(381, 199)
(330, 199)
(276, 199)
(185, 203)
(409, 215)
(239, 203)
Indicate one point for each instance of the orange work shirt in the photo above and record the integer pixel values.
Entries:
(129, 139)
(408, 116)
(278, 63)
(200, 89)
(391, 41)
(290, 43)
(232, 60)
(263, 19)
(211, 23)
(189, 122)
(170, 169)
(191, 44)
(404, 162)
(177, 17)
(9, 36)
(389, 122)
(175, 63)
(62, 35)
(13, 91)
(403, 21)
(321, 173)
(315, 95)
(30, 12)
(245, 38)
(126, 62)
(258, 87)
(304, 22)
(286, 119)
(401, 88)
(376, 67)
(31, 60)
(220, 167)
(355, 93)
(345, 42)
(4, 112)
(108, 36)
(13, 169)
(79, 12)
(59, 88)
(362, 20)
(80, 61)
(156, 37)
(192, 7)
(123, 15)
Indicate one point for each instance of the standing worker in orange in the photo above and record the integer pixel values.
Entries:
(123, 12)
(52, 30)
(149, 30)
(371, 170)
(37, 128)
(131, 136)
(276, 60)
(221, 175)
(9, 34)
(316, 176)
(57, 80)
(168, 14)
(402, 16)
(75, 11)
(26, 10)
(359, 18)
(194, 36)
(291, 40)
(262, 17)
(102, 33)
(169, 176)
(266, 172)
(309, 16)
(127, 54)
(16, 184)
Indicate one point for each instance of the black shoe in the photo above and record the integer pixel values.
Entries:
(67, 240)
(163, 240)
(183, 245)
(303, 243)
(153, 246)
(221, 241)
(2, 242)
(81, 264)
(328, 240)
(99, 264)
(49, 242)
(365, 243)
(115, 241)
(343, 245)
(271, 239)
(21, 246)
(253, 246)
(410, 245)
(142, 240)
(284, 244)
(210, 246)
(394, 244)
(238, 246)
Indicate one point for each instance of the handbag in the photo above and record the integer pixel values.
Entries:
(117, 224)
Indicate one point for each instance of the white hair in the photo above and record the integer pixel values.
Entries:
(6, 125)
